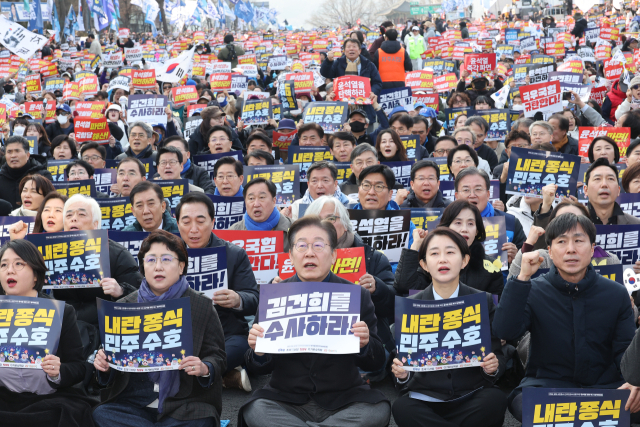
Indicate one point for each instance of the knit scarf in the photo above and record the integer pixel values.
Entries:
(168, 381)
(186, 167)
(346, 240)
(352, 67)
(238, 194)
(488, 212)
(562, 143)
(267, 225)
(142, 155)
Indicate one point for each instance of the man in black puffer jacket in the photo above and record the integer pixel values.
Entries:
(19, 163)
(579, 28)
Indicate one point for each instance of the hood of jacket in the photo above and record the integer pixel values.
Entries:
(616, 96)
(390, 46)
(518, 204)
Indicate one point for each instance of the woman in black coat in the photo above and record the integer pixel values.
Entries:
(44, 396)
(483, 271)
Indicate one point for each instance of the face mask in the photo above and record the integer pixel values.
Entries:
(357, 126)
(63, 120)
(78, 70)
(296, 112)
(199, 52)
(303, 102)
(221, 100)
(18, 130)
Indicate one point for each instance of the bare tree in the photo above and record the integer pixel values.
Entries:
(340, 12)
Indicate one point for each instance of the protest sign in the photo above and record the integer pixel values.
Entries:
(195, 109)
(220, 81)
(249, 70)
(34, 85)
(184, 95)
(146, 337)
(352, 89)
(452, 113)
(112, 60)
(133, 54)
(285, 177)
(256, 111)
(208, 161)
(445, 334)
(303, 82)
(439, 66)
(480, 64)
(228, 211)
(306, 156)
(566, 77)
(116, 213)
(350, 265)
(419, 80)
(191, 124)
(239, 84)
(130, 240)
(19, 40)
(207, 271)
(541, 97)
(89, 85)
(629, 203)
(574, 407)
(445, 82)
(421, 216)
(344, 171)
(221, 67)
(530, 170)
(262, 248)
(8, 221)
(89, 110)
(402, 171)
(83, 186)
(143, 79)
(309, 317)
(278, 62)
(71, 91)
(496, 230)
(620, 240)
(92, 130)
(539, 73)
(34, 109)
(120, 82)
(447, 189)
(173, 190)
(622, 137)
(396, 97)
(29, 330)
(330, 115)
(56, 169)
(286, 93)
(283, 140)
(147, 108)
(104, 179)
(386, 231)
(53, 83)
(428, 99)
(499, 123)
(74, 259)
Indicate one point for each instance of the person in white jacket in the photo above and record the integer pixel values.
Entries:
(633, 98)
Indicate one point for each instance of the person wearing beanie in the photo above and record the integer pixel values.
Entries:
(613, 99)
(632, 97)
(230, 52)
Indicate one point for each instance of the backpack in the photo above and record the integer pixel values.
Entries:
(232, 53)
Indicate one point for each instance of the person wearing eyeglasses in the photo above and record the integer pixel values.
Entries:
(130, 171)
(219, 139)
(190, 396)
(460, 157)
(140, 142)
(170, 163)
(94, 154)
(318, 389)
(362, 156)
(262, 213)
(472, 185)
(443, 146)
(425, 187)
(228, 177)
(79, 170)
(466, 136)
(150, 209)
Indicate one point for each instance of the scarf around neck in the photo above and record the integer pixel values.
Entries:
(346, 240)
(238, 194)
(267, 225)
(352, 67)
(142, 154)
(488, 211)
(186, 167)
(168, 381)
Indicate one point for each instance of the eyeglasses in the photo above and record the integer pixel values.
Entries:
(442, 151)
(222, 140)
(539, 134)
(466, 161)
(94, 158)
(476, 191)
(331, 218)
(361, 163)
(17, 265)
(171, 163)
(138, 135)
(325, 181)
(421, 179)
(378, 188)
(227, 177)
(79, 173)
(519, 146)
(304, 246)
(164, 259)
(465, 141)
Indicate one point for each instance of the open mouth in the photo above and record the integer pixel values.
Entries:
(11, 282)
(27, 203)
(371, 200)
(158, 277)
(51, 223)
(443, 269)
(74, 228)
(310, 265)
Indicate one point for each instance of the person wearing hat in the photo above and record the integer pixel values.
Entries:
(63, 124)
(632, 98)
(9, 84)
(114, 115)
(613, 99)
(392, 60)
(416, 45)
(479, 86)
(386, 25)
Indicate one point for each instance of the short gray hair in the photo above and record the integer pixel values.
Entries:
(472, 172)
(147, 129)
(542, 124)
(316, 207)
(94, 207)
(361, 149)
(465, 129)
(524, 121)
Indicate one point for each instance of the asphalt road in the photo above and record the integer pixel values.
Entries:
(232, 400)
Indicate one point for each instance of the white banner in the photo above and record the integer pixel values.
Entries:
(19, 40)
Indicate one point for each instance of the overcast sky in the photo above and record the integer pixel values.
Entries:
(295, 11)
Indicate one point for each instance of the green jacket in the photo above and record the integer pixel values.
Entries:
(168, 223)
(224, 54)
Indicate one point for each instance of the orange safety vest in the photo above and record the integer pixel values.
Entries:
(391, 66)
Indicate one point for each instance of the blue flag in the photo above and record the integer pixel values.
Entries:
(35, 19)
(69, 22)
(55, 23)
(244, 11)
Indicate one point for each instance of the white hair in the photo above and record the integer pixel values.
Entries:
(94, 207)
(338, 209)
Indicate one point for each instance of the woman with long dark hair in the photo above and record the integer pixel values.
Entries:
(389, 147)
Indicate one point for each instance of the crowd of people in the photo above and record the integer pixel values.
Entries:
(574, 327)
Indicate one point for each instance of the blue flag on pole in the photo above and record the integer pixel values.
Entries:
(35, 18)
(55, 23)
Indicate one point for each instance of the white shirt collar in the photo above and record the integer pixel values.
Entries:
(453, 295)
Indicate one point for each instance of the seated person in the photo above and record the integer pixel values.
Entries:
(131, 398)
(45, 396)
(219, 139)
(318, 389)
(310, 135)
(580, 322)
(83, 213)
(150, 209)
(228, 177)
(140, 142)
(259, 141)
(258, 158)
(77, 170)
(189, 170)
(170, 164)
(94, 154)
(425, 187)
(324, 182)
(196, 215)
(483, 405)
(131, 171)
(262, 213)
(341, 144)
